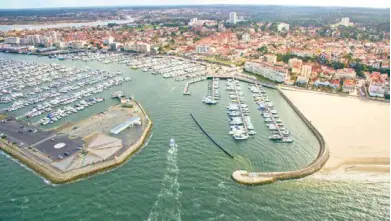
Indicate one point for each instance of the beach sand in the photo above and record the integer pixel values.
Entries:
(356, 131)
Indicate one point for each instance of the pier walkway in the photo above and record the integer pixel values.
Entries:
(187, 85)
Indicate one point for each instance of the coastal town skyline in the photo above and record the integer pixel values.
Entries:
(21, 4)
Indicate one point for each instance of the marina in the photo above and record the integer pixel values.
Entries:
(270, 115)
(167, 67)
(197, 159)
(213, 94)
(52, 90)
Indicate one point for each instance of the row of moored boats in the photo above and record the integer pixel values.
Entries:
(270, 115)
(240, 123)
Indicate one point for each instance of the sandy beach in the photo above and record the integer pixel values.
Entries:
(356, 131)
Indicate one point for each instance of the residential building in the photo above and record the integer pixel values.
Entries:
(54, 37)
(12, 40)
(271, 58)
(266, 70)
(301, 80)
(202, 49)
(295, 65)
(192, 22)
(306, 71)
(348, 86)
(246, 37)
(108, 41)
(377, 85)
(335, 83)
(283, 27)
(221, 28)
(345, 21)
(233, 18)
(141, 47)
(348, 73)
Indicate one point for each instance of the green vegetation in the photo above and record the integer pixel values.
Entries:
(263, 50)
(259, 77)
(215, 59)
(127, 105)
(285, 58)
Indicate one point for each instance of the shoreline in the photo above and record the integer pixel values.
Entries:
(55, 176)
(355, 138)
(259, 178)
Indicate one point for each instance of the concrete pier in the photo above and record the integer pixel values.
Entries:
(57, 176)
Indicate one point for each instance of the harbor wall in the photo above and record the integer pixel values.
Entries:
(57, 176)
(254, 178)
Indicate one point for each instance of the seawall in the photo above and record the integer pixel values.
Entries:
(257, 178)
(57, 176)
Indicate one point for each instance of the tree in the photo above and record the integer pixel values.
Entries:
(263, 50)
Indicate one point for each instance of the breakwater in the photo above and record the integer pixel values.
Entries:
(254, 178)
(57, 176)
(218, 145)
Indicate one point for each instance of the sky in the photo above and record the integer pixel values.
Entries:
(15, 4)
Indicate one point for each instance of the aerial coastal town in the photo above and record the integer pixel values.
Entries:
(115, 110)
(342, 56)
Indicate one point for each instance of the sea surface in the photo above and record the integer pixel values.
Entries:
(193, 180)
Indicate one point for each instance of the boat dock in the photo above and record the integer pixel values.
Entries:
(186, 90)
(240, 108)
(218, 145)
(269, 113)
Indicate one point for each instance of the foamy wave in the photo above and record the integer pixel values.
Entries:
(167, 205)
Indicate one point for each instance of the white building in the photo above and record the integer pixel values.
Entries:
(202, 49)
(54, 38)
(246, 37)
(348, 73)
(233, 17)
(377, 86)
(33, 39)
(268, 71)
(221, 27)
(306, 71)
(137, 47)
(12, 40)
(345, 21)
(108, 41)
(193, 21)
(45, 41)
(283, 27)
(77, 44)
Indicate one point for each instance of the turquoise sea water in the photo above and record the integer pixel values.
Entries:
(192, 181)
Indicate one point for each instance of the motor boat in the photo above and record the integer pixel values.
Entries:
(172, 142)
(275, 137)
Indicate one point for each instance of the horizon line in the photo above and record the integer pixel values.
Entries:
(173, 5)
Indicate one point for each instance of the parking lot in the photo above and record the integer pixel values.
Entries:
(71, 147)
(25, 135)
(19, 132)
